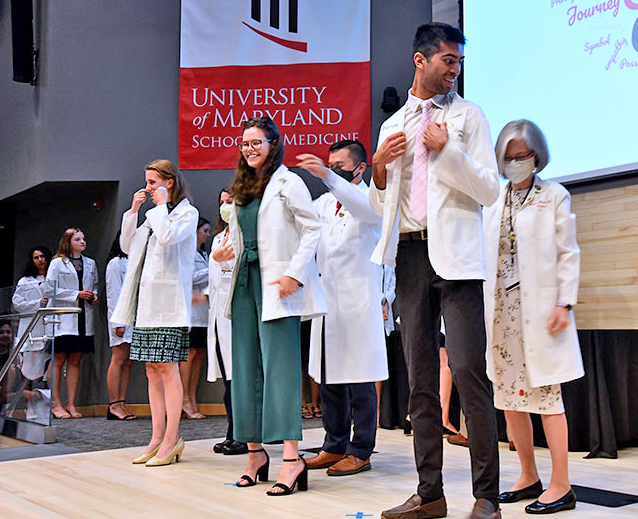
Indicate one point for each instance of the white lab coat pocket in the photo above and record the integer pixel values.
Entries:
(162, 295)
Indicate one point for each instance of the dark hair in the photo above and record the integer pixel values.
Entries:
(428, 38)
(167, 171)
(355, 149)
(221, 224)
(30, 270)
(201, 222)
(116, 250)
(64, 247)
(247, 185)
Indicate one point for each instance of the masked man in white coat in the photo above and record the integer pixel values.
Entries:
(433, 170)
(353, 356)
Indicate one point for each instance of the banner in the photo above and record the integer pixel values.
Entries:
(303, 63)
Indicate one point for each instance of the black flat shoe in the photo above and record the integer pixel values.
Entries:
(301, 481)
(567, 502)
(262, 472)
(234, 448)
(407, 427)
(530, 492)
(219, 447)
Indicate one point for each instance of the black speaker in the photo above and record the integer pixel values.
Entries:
(22, 38)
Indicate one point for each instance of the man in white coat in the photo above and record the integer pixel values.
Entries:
(433, 171)
(353, 355)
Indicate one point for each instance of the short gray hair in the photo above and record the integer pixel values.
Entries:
(530, 134)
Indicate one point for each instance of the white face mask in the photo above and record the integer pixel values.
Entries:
(225, 211)
(518, 170)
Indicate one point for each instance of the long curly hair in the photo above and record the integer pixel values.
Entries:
(247, 184)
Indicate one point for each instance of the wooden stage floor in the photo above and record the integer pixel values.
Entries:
(106, 484)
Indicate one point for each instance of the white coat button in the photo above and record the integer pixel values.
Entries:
(526, 321)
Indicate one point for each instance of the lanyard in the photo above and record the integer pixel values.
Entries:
(512, 234)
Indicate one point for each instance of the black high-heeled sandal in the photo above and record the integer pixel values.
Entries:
(112, 416)
(262, 472)
(301, 481)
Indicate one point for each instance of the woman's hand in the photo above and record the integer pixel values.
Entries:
(87, 295)
(119, 331)
(199, 298)
(138, 199)
(225, 251)
(43, 301)
(94, 300)
(313, 164)
(287, 285)
(385, 307)
(558, 321)
(160, 196)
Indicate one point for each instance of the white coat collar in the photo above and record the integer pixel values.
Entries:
(275, 184)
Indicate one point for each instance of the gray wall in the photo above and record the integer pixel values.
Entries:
(106, 103)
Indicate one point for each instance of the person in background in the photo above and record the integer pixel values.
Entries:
(120, 336)
(191, 369)
(27, 298)
(222, 262)
(156, 299)
(274, 232)
(533, 272)
(71, 281)
(388, 285)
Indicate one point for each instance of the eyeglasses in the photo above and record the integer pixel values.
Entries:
(255, 144)
(519, 158)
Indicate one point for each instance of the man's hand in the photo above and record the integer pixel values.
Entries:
(313, 164)
(391, 148)
(435, 136)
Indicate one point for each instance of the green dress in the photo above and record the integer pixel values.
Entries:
(266, 378)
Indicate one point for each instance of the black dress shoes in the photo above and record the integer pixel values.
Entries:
(219, 447)
(530, 492)
(567, 502)
(234, 448)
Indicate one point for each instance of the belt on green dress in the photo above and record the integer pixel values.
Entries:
(250, 255)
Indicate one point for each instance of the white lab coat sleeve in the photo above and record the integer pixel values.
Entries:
(307, 223)
(61, 294)
(94, 288)
(114, 278)
(171, 228)
(21, 300)
(352, 198)
(129, 226)
(473, 172)
(199, 275)
(568, 261)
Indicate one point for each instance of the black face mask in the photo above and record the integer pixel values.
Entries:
(349, 176)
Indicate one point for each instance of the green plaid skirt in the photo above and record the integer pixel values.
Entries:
(160, 344)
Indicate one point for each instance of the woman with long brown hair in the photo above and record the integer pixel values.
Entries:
(274, 231)
(71, 281)
(156, 299)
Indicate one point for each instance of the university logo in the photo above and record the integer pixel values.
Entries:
(274, 22)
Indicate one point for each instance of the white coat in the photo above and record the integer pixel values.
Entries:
(62, 271)
(389, 293)
(219, 327)
(549, 270)
(158, 287)
(26, 299)
(199, 312)
(115, 274)
(354, 334)
(287, 235)
(461, 178)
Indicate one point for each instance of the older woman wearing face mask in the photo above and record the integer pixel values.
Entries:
(533, 271)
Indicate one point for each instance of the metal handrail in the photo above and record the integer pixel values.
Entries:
(41, 312)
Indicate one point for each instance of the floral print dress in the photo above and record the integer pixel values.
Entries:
(512, 389)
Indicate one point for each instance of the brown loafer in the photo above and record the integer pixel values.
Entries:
(458, 439)
(413, 509)
(323, 460)
(348, 466)
(484, 509)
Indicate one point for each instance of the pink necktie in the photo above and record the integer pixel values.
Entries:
(419, 186)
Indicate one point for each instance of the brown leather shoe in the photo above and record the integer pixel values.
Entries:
(413, 509)
(323, 460)
(458, 439)
(348, 466)
(484, 509)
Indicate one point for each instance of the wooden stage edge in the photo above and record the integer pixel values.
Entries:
(106, 484)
